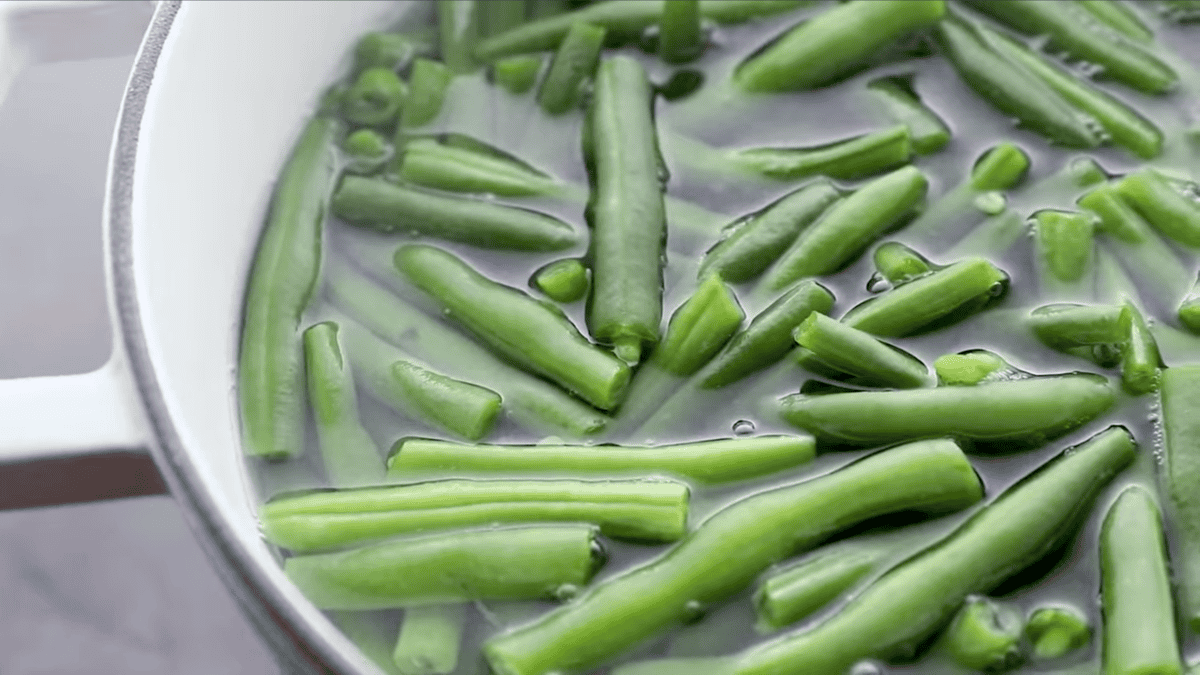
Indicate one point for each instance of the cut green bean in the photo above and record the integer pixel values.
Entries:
(562, 280)
(969, 368)
(649, 510)
(429, 163)
(1001, 167)
(1065, 326)
(380, 205)
(927, 132)
(510, 563)
(1117, 16)
(1181, 446)
(1140, 360)
(680, 38)
(517, 74)
(834, 44)
(367, 151)
(898, 264)
(996, 415)
(985, 635)
(717, 461)
(1072, 29)
(349, 453)
(1055, 632)
(458, 31)
(1011, 87)
(1065, 248)
(629, 227)
(427, 84)
(1164, 207)
(271, 370)
(699, 328)
(724, 554)
(1189, 309)
(571, 67)
(848, 227)
(411, 389)
(499, 16)
(429, 639)
(849, 159)
(951, 293)
(857, 353)
(394, 51)
(375, 98)
(1135, 588)
(518, 327)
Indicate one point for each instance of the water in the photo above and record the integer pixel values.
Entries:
(715, 115)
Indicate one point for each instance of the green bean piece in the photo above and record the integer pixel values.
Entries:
(1135, 588)
(508, 563)
(427, 84)
(648, 510)
(271, 368)
(1141, 252)
(1127, 127)
(458, 32)
(699, 328)
(571, 67)
(834, 44)
(985, 635)
(1065, 247)
(413, 390)
(394, 51)
(619, 17)
(995, 415)
(1001, 167)
(377, 204)
(680, 37)
(368, 151)
(1064, 326)
(629, 228)
(1181, 440)
(951, 293)
(849, 159)
(857, 353)
(899, 264)
(1072, 29)
(520, 328)
(1117, 16)
(532, 402)
(848, 227)
(768, 337)
(708, 462)
(499, 16)
(1169, 211)
(562, 280)
(927, 132)
(1180, 11)
(1055, 632)
(349, 453)
(517, 74)
(375, 98)
(758, 242)
(429, 163)
(969, 368)
(1189, 309)
(1140, 360)
(429, 639)
(726, 551)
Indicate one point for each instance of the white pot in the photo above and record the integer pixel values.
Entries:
(217, 97)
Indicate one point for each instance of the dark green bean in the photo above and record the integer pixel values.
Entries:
(562, 280)
(1117, 16)
(927, 131)
(271, 371)
(571, 67)
(1181, 475)
(458, 32)
(1140, 360)
(375, 98)
(680, 38)
(429, 639)
(724, 554)
(1055, 632)
(985, 635)
(854, 352)
(848, 159)
(1166, 208)
(517, 74)
(427, 84)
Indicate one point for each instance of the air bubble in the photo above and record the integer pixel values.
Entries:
(743, 428)
(866, 668)
(991, 202)
(566, 592)
(877, 283)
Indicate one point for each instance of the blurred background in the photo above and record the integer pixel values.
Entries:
(109, 587)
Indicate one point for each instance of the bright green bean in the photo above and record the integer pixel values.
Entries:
(927, 132)
(1168, 210)
(899, 264)
(517, 74)
(1181, 475)
(427, 84)
(985, 635)
(1055, 632)
(680, 38)
(1189, 309)
(429, 639)
(394, 51)
(1119, 17)
(1064, 326)
(458, 31)
(375, 98)
(429, 163)
(699, 328)
(857, 353)
(848, 159)
(969, 368)
(1000, 167)
(562, 280)
(571, 67)
(1140, 360)
(367, 151)
(1065, 247)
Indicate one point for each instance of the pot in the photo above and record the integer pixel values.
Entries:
(217, 96)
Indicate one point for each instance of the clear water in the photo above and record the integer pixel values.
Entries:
(717, 115)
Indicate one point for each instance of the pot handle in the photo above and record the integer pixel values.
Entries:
(72, 438)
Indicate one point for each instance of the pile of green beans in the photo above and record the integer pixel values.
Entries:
(740, 337)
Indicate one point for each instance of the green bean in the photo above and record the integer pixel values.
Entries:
(499, 16)
(375, 98)
(394, 51)
(898, 264)
(699, 328)
(848, 159)
(571, 67)
(1065, 250)
(996, 415)
(427, 84)
(725, 552)
(429, 163)
(927, 132)
(510, 563)
(1000, 167)
(1181, 440)
(1180, 11)
(1055, 632)
(634, 509)
(368, 151)
(629, 227)
(717, 461)
(969, 368)
(848, 227)
(1127, 128)
(380, 205)
(948, 294)
(857, 353)
(271, 371)
(834, 44)
(349, 453)
(680, 38)
(1118, 17)
(562, 280)
(517, 74)
(521, 329)
(1140, 360)
(429, 639)
(458, 27)
(1164, 207)
(1073, 30)
(1189, 309)
(985, 635)
(1064, 326)
(1139, 615)
(411, 389)
(620, 17)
